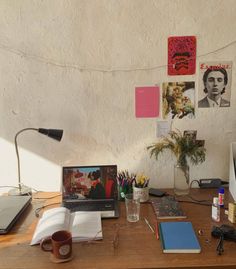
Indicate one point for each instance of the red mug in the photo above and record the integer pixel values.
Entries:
(60, 244)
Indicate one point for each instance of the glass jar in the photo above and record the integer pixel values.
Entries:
(181, 179)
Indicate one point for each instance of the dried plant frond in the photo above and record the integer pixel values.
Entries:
(183, 147)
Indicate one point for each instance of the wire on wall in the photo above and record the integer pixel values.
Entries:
(95, 69)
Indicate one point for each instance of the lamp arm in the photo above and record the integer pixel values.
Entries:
(17, 154)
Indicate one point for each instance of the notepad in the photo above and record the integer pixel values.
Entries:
(167, 208)
(178, 237)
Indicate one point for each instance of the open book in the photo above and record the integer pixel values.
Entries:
(82, 225)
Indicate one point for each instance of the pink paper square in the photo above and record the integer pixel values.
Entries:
(147, 101)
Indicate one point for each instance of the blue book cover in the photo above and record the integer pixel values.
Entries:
(178, 237)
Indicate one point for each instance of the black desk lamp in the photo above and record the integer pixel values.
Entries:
(53, 133)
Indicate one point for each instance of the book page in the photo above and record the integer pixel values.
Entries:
(52, 220)
(86, 226)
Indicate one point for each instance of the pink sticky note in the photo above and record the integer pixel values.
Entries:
(147, 102)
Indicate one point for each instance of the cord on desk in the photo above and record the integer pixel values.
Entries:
(194, 182)
(220, 246)
(195, 201)
(37, 210)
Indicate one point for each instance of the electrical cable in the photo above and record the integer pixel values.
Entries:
(37, 210)
(15, 187)
(194, 202)
(9, 186)
(197, 181)
(220, 245)
(96, 69)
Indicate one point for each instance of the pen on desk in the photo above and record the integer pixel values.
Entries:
(157, 232)
(148, 224)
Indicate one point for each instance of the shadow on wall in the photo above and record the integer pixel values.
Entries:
(36, 172)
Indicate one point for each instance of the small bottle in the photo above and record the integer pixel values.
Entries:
(215, 213)
(221, 194)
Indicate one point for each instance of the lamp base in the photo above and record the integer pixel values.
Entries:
(17, 192)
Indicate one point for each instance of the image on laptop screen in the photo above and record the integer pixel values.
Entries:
(89, 182)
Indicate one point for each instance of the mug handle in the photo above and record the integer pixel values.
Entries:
(46, 241)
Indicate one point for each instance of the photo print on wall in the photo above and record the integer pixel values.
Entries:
(178, 99)
(181, 55)
(214, 84)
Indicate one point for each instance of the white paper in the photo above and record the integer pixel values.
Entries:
(86, 225)
(163, 128)
(232, 174)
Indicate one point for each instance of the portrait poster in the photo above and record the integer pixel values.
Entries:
(181, 55)
(178, 100)
(147, 101)
(214, 84)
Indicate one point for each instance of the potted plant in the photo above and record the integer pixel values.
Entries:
(185, 147)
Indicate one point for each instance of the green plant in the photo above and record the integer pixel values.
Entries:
(184, 147)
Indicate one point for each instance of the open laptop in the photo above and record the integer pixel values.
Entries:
(11, 208)
(91, 188)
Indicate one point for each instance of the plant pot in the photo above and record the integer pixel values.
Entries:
(141, 193)
(181, 179)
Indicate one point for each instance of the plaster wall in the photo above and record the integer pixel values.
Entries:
(75, 64)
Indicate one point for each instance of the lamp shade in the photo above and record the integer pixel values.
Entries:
(53, 133)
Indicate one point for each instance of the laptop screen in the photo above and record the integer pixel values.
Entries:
(89, 182)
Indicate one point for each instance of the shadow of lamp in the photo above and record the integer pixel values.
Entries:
(52, 133)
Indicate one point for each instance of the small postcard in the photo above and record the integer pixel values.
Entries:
(178, 100)
(200, 143)
(215, 84)
(147, 102)
(163, 128)
(181, 55)
(191, 134)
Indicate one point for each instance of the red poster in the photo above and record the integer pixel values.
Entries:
(181, 55)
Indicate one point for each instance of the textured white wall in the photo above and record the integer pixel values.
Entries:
(75, 64)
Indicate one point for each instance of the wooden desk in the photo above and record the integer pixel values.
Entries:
(137, 247)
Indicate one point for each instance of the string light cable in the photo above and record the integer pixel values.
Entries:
(104, 70)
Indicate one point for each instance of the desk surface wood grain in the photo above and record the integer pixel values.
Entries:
(137, 245)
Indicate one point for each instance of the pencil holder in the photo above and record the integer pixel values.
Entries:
(141, 193)
(123, 190)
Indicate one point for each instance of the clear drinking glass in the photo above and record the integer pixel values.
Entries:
(132, 208)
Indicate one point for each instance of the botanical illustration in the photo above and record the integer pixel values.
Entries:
(178, 99)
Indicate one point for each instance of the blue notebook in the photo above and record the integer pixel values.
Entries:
(178, 237)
